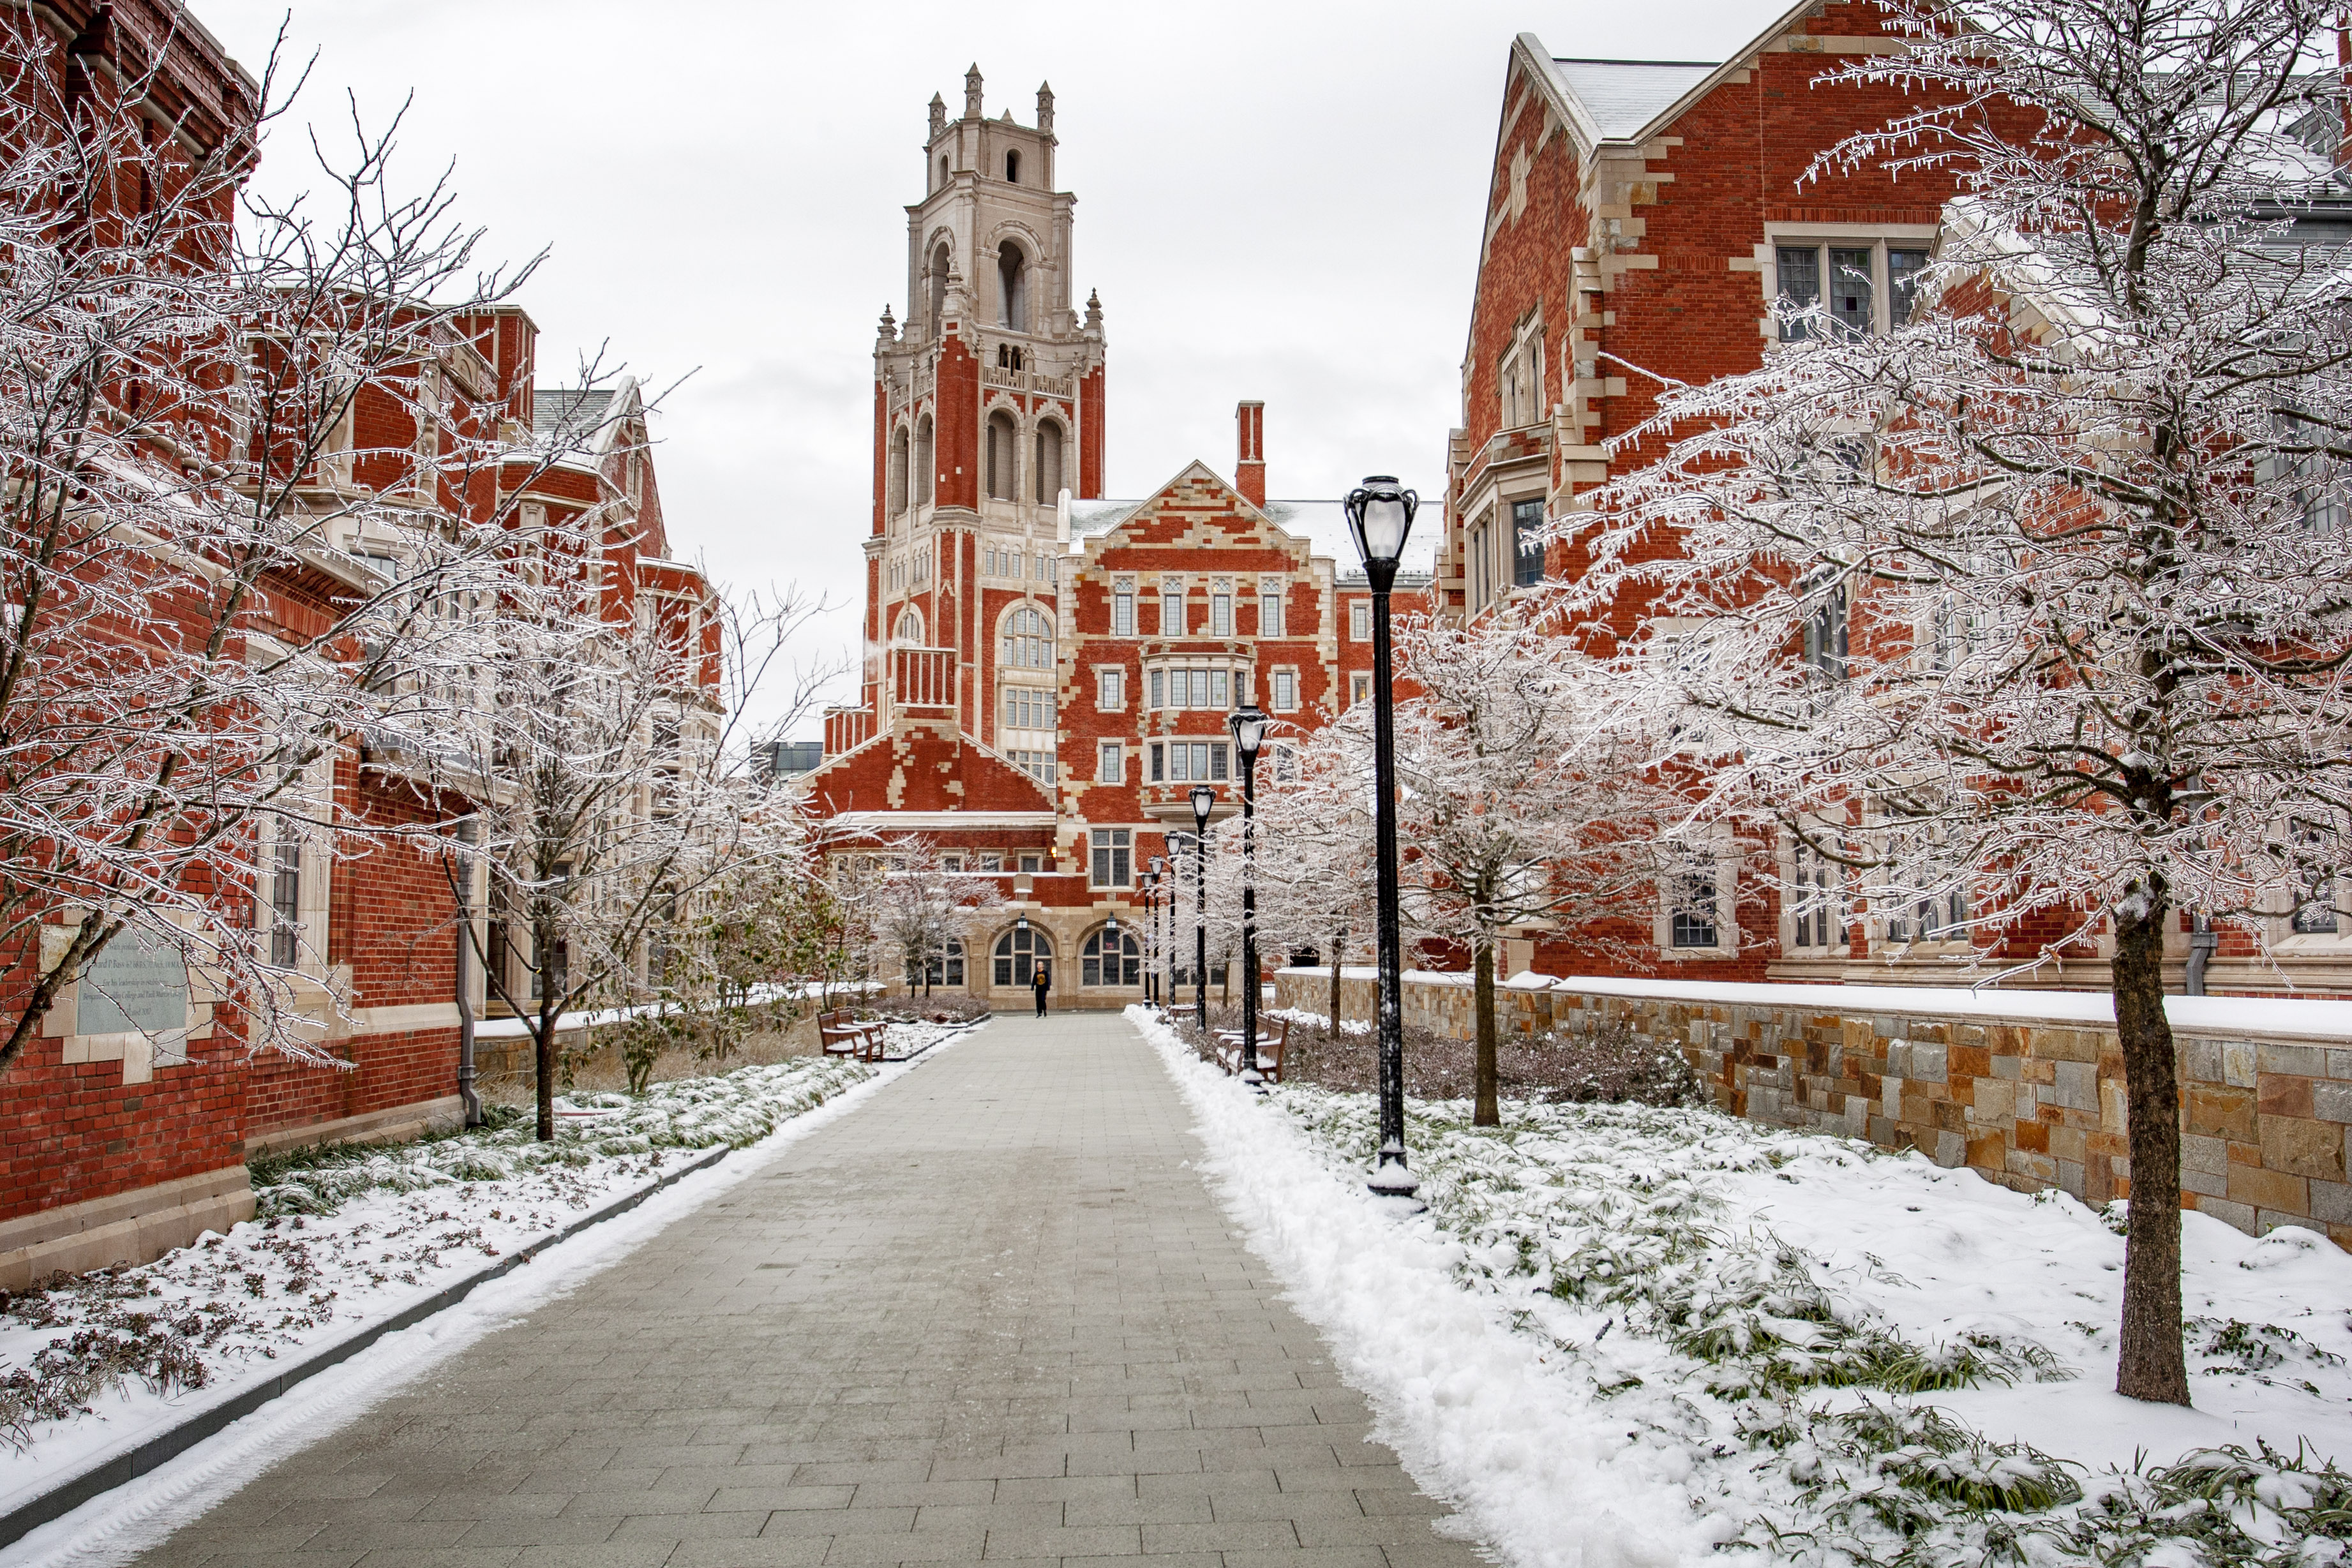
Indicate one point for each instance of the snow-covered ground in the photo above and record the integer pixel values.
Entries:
(344, 1242)
(1628, 1335)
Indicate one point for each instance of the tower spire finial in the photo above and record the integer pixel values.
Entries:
(939, 116)
(971, 92)
(1045, 106)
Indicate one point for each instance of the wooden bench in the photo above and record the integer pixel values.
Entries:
(839, 1034)
(1269, 1051)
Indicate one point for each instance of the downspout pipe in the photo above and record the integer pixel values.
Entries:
(2204, 940)
(465, 1090)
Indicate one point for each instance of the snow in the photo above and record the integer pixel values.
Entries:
(402, 1225)
(2266, 1018)
(1624, 1335)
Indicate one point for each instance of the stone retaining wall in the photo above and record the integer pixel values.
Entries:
(2025, 1088)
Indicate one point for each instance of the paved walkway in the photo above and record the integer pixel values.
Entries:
(989, 1316)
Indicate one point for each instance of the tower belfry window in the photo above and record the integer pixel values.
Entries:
(1013, 168)
(1049, 467)
(1002, 447)
(939, 287)
(1012, 275)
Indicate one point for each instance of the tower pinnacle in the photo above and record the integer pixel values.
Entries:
(971, 92)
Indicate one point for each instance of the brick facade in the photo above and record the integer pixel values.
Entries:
(111, 1151)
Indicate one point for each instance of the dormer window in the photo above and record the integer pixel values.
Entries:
(1013, 168)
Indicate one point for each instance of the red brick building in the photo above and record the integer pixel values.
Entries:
(1642, 218)
(1048, 673)
(118, 1142)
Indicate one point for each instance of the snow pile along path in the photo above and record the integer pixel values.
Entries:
(1622, 1334)
(353, 1239)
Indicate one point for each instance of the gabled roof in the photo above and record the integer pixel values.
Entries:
(1629, 101)
(1319, 522)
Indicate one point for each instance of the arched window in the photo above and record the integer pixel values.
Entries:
(1004, 443)
(943, 170)
(895, 497)
(925, 467)
(1013, 292)
(938, 287)
(1020, 953)
(1111, 960)
(943, 969)
(1013, 168)
(1049, 467)
(909, 630)
(1028, 641)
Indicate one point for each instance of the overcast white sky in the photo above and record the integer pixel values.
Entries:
(1275, 200)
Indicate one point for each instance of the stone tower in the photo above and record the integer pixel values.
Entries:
(988, 404)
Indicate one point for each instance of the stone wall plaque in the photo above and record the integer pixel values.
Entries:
(136, 982)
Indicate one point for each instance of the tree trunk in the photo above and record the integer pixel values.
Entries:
(1335, 987)
(1482, 966)
(2150, 1364)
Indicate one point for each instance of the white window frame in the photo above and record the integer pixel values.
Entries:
(1282, 689)
(1110, 689)
(1110, 762)
(1359, 620)
(1877, 238)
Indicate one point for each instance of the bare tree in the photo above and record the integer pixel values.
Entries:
(611, 789)
(918, 906)
(188, 635)
(1316, 886)
(1519, 803)
(2042, 602)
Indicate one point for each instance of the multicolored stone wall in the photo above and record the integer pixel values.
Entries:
(2030, 1102)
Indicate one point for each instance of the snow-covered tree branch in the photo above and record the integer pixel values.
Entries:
(2041, 601)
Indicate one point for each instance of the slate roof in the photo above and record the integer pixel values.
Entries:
(551, 406)
(1623, 96)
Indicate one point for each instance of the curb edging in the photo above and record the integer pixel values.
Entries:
(124, 1467)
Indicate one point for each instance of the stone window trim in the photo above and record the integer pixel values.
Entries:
(1724, 862)
(1878, 918)
(1877, 238)
(1792, 896)
(1282, 688)
(2282, 903)
(1110, 762)
(1110, 688)
(1359, 620)
(1162, 676)
(1519, 377)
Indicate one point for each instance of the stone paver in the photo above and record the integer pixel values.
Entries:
(989, 1316)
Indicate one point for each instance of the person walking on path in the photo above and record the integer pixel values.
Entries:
(1041, 982)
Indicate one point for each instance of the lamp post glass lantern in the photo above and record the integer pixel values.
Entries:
(1204, 799)
(1380, 517)
(1249, 724)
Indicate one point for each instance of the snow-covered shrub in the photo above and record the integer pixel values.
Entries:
(736, 1109)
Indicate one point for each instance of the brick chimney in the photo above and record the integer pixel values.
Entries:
(1249, 466)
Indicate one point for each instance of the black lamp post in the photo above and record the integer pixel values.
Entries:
(1203, 798)
(1380, 515)
(1151, 928)
(1249, 722)
(1159, 946)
